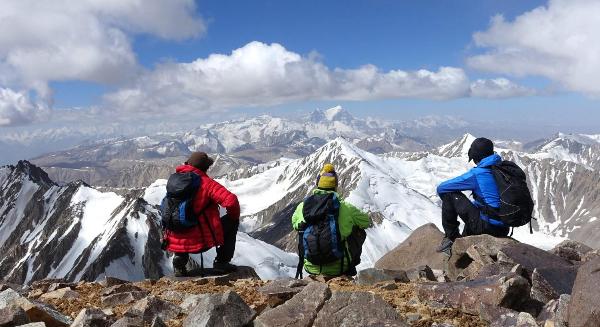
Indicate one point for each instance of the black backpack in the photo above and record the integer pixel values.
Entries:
(319, 239)
(516, 205)
(177, 206)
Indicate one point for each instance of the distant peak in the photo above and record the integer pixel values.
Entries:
(336, 113)
(35, 173)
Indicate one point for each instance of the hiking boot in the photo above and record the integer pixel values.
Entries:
(445, 246)
(224, 267)
(180, 272)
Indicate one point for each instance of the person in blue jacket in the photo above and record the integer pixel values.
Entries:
(480, 181)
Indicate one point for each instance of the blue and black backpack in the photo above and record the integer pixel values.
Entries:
(321, 240)
(177, 206)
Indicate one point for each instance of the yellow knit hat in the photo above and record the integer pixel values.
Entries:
(327, 178)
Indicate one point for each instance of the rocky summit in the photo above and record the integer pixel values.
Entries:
(487, 281)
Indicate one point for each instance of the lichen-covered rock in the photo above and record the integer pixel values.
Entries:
(421, 274)
(35, 311)
(62, 294)
(555, 313)
(13, 316)
(474, 252)
(571, 250)
(122, 298)
(299, 311)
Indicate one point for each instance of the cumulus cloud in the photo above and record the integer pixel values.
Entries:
(87, 40)
(499, 88)
(267, 74)
(16, 108)
(559, 41)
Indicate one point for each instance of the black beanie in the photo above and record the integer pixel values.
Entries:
(481, 148)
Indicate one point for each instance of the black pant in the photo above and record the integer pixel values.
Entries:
(455, 205)
(224, 252)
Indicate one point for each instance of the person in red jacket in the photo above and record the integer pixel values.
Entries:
(213, 230)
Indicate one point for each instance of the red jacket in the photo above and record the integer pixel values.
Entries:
(209, 197)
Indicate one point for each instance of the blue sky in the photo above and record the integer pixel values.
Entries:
(507, 61)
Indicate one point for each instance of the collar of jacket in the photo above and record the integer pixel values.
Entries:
(491, 160)
(188, 168)
(320, 191)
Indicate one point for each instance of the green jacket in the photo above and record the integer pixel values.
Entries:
(349, 217)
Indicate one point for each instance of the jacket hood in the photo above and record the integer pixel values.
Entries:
(488, 161)
(189, 168)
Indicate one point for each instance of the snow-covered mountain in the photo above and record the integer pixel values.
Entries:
(77, 232)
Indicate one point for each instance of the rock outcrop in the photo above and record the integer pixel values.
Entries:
(584, 309)
(417, 250)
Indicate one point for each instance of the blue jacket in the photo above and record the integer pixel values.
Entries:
(480, 181)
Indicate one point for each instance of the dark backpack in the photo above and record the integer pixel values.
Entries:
(321, 240)
(516, 205)
(177, 206)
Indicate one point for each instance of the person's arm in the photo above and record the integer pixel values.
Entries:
(465, 182)
(359, 218)
(298, 217)
(225, 199)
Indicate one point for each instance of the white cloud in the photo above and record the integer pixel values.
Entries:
(262, 74)
(559, 41)
(86, 40)
(499, 88)
(16, 108)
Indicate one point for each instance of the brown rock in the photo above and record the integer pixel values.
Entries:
(128, 322)
(35, 311)
(584, 309)
(279, 291)
(509, 291)
(112, 281)
(357, 309)
(301, 310)
(45, 283)
(420, 274)
(372, 276)
(474, 252)
(152, 307)
(549, 283)
(57, 286)
(242, 272)
(530, 257)
(417, 250)
(121, 288)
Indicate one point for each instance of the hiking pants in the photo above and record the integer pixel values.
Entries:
(456, 204)
(224, 252)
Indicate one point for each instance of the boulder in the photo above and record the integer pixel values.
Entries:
(571, 250)
(493, 269)
(57, 286)
(471, 253)
(62, 294)
(421, 274)
(372, 276)
(555, 313)
(591, 256)
(35, 311)
(34, 324)
(221, 309)
(190, 302)
(151, 307)
(417, 250)
(157, 322)
(44, 284)
(508, 290)
(357, 309)
(281, 290)
(300, 310)
(13, 316)
(530, 257)
(92, 317)
(173, 296)
(503, 317)
(584, 309)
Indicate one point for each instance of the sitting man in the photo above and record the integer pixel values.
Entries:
(209, 230)
(480, 181)
(331, 232)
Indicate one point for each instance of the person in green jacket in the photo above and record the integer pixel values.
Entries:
(351, 223)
